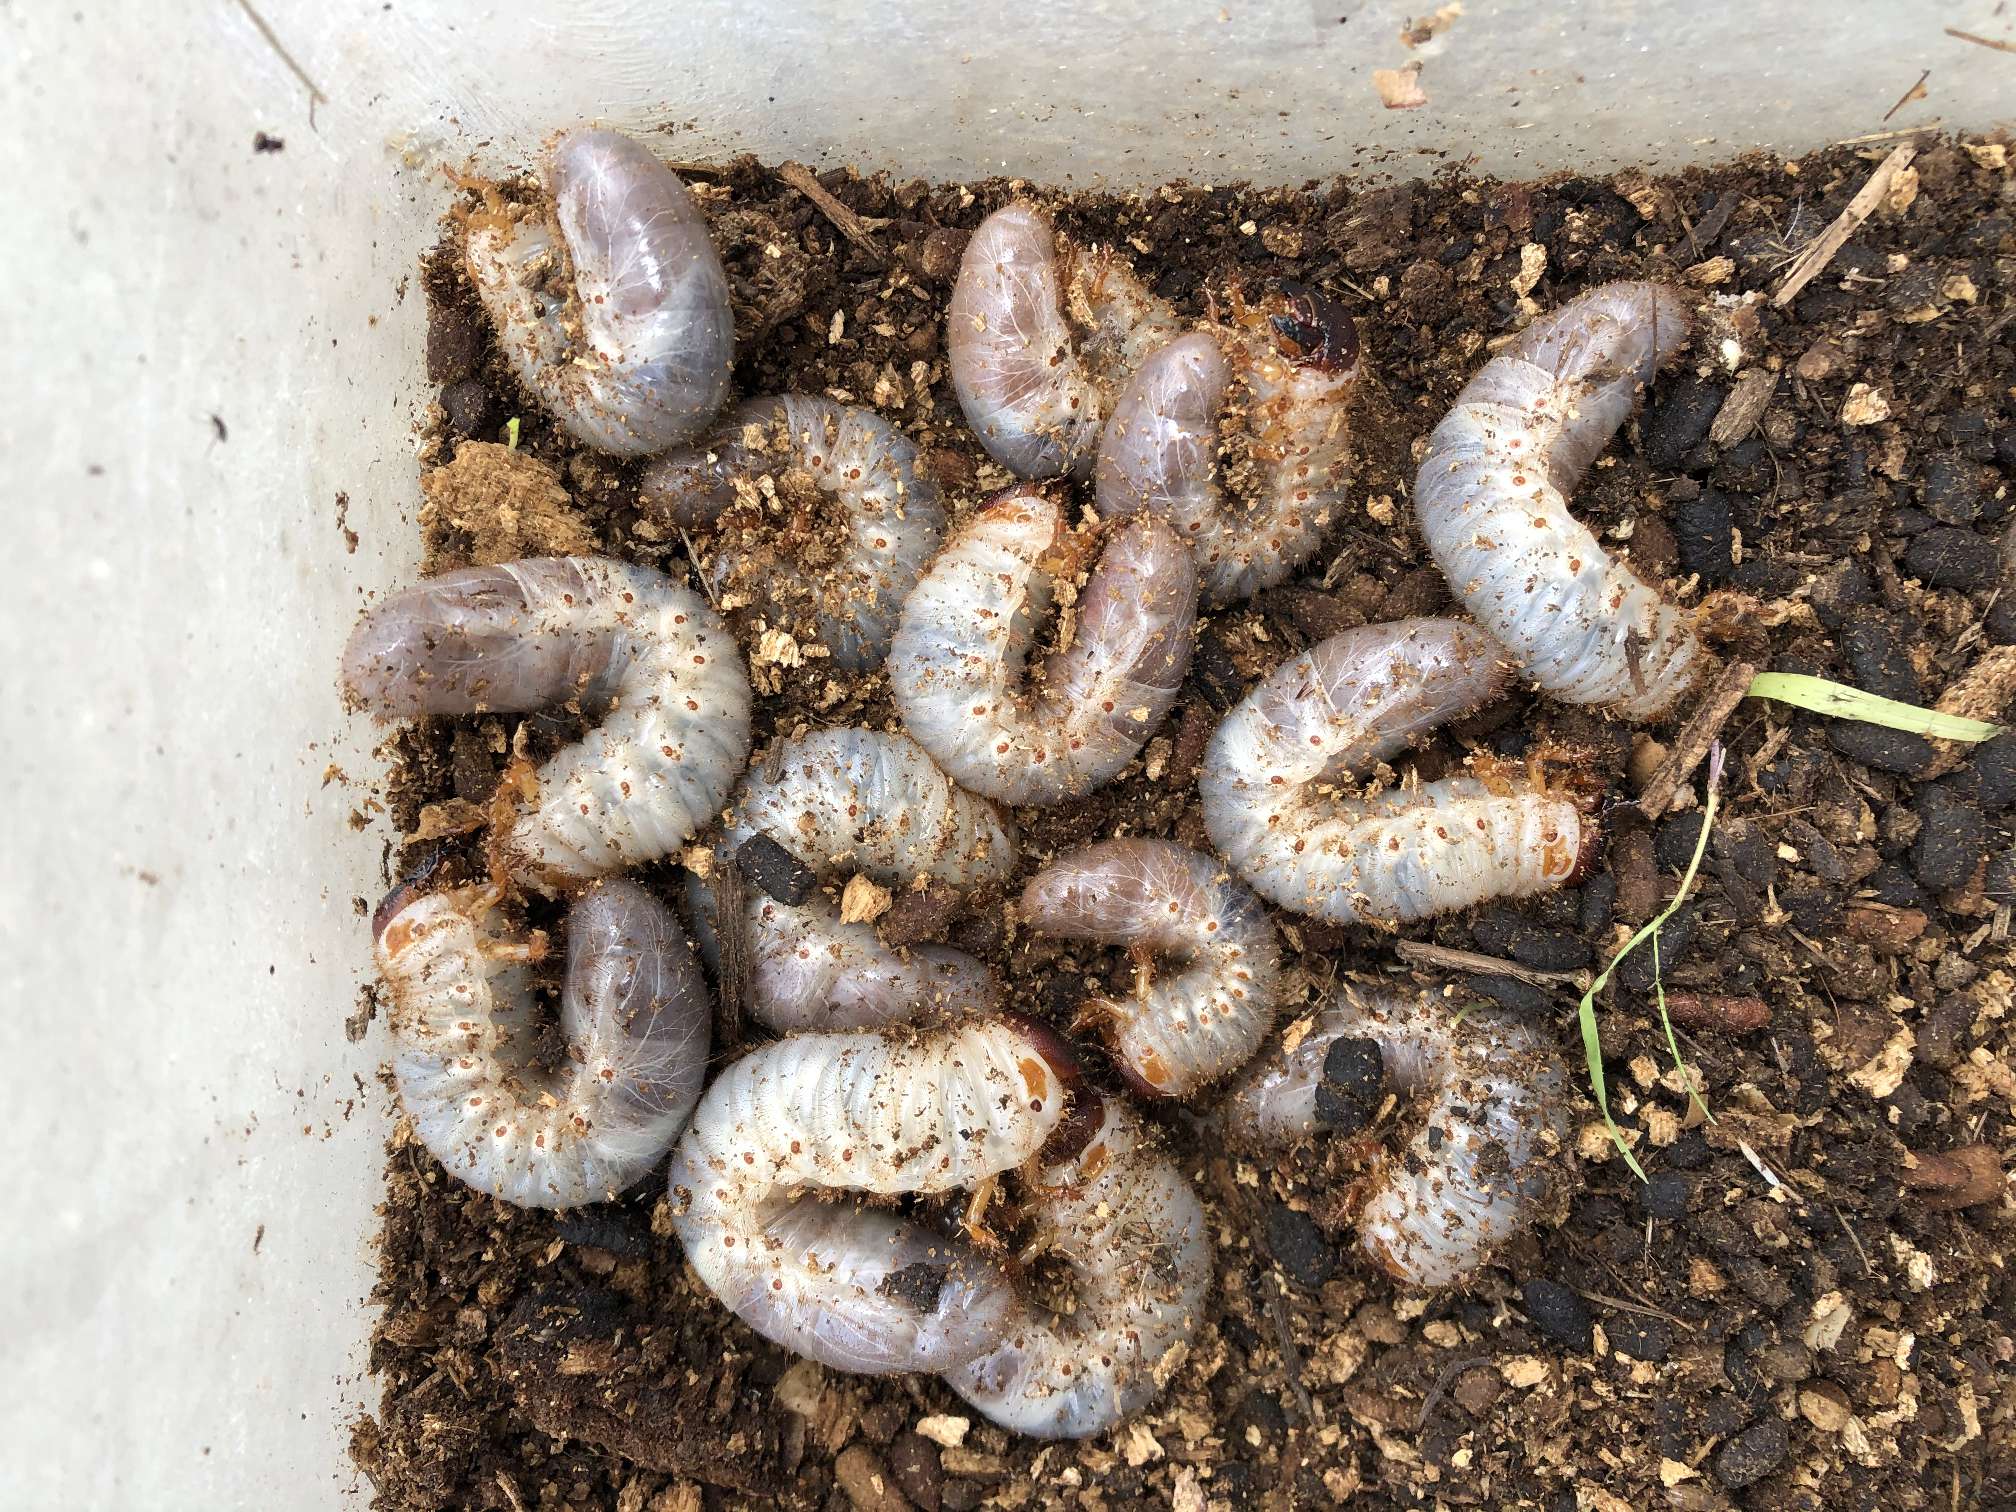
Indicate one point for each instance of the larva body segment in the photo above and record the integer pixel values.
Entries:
(845, 588)
(635, 1013)
(885, 1114)
(1269, 779)
(1240, 438)
(1040, 335)
(1124, 1219)
(956, 669)
(1492, 500)
(610, 302)
(1488, 1098)
(871, 803)
(1207, 998)
(615, 639)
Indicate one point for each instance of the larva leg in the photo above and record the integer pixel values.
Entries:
(1492, 500)
(610, 300)
(1486, 1097)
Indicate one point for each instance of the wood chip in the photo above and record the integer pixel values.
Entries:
(1744, 407)
(1708, 230)
(944, 1430)
(1864, 406)
(1820, 251)
(1400, 88)
(1984, 692)
(849, 225)
(1691, 745)
(863, 900)
(1955, 1179)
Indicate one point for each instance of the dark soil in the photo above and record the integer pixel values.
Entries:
(1834, 1334)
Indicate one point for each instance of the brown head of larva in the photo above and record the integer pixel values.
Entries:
(1066, 1078)
(1312, 329)
(410, 888)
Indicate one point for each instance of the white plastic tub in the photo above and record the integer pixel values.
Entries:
(206, 346)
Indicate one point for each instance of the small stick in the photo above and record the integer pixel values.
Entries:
(1699, 733)
(1709, 230)
(1966, 36)
(1421, 953)
(1291, 1357)
(1821, 250)
(1915, 92)
(1635, 1307)
(799, 177)
(1889, 136)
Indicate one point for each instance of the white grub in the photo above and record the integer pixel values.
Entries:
(636, 1017)
(620, 641)
(609, 301)
(1492, 500)
(870, 804)
(1123, 1218)
(1273, 807)
(820, 1115)
(1041, 334)
(1207, 958)
(1486, 1098)
(891, 517)
(957, 668)
(1240, 437)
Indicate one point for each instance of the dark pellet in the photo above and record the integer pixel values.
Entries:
(779, 875)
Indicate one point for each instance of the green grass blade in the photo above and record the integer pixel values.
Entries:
(511, 433)
(1842, 702)
(1592, 1039)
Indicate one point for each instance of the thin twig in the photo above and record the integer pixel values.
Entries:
(1690, 746)
(1915, 92)
(1967, 36)
(1442, 957)
(1891, 135)
(1291, 1357)
(315, 95)
(1635, 1307)
(799, 177)
(1820, 251)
